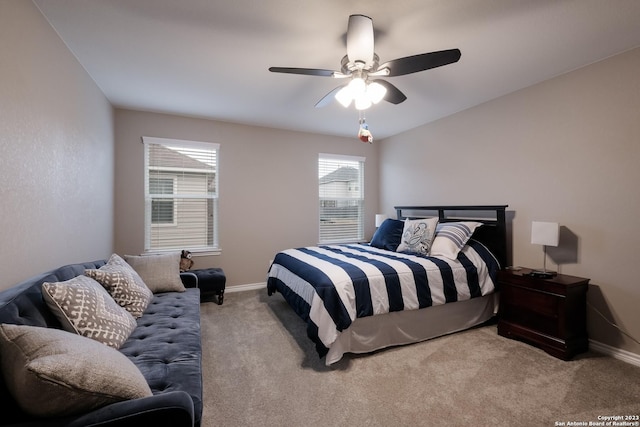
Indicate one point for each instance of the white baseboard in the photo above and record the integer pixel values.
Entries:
(247, 287)
(616, 353)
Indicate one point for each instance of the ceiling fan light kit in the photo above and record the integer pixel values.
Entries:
(376, 92)
(361, 62)
(363, 93)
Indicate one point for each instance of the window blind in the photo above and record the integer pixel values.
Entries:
(341, 198)
(181, 195)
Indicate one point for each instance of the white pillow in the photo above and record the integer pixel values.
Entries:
(417, 235)
(451, 238)
(161, 273)
(53, 373)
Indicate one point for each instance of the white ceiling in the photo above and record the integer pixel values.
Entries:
(209, 58)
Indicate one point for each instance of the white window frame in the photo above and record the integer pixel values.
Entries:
(323, 236)
(203, 249)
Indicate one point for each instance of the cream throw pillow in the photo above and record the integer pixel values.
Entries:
(52, 373)
(161, 273)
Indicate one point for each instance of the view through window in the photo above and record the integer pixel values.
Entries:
(341, 191)
(181, 195)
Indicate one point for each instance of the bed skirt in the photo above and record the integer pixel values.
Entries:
(372, 333)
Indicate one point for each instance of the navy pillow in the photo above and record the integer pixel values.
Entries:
(388, 235)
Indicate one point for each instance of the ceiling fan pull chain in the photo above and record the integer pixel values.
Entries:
(364, 134)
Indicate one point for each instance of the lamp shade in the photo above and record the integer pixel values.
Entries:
(380, 219)
(362, 102)
(344, 96)
(545, 233)
(375, 92)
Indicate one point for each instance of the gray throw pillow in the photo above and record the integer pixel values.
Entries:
(161, 273)
(123, 284)
(84, 307)
(52, 373)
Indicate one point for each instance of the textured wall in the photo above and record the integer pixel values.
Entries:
(565, 150)
(56, 158)
(268, 187)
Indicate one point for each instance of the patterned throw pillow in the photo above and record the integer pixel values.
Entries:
(115, 259)
(52, 373)
(417, 235)
(451, 238)
(84, 307)
(123, 284)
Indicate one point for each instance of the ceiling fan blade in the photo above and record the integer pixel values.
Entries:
(424, 61)
(360, 39)
(328, 98)
(304, 71)
(393, 94)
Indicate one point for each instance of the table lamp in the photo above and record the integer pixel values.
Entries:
(545, 234)
(380, 219)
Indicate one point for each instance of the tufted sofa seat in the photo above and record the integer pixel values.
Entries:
(165, 346)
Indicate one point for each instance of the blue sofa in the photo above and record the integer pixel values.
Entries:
(165, 346)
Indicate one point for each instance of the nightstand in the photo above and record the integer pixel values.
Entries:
(547, 313)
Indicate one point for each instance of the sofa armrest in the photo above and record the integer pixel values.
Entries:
(189, 280)
(170, 409)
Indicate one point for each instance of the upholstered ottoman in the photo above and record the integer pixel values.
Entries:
(211, 281)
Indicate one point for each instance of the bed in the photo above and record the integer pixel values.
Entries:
(358, 298)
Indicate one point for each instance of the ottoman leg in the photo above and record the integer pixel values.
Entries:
(211, 282)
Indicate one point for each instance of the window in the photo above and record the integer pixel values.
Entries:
(341, 191)
(181, 195)
(162, 210)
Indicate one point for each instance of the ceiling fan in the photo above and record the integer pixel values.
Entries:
(362, 67)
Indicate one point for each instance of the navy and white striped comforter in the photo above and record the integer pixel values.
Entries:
(330, 286)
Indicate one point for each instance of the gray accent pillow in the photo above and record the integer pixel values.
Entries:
(161, 273)
(84, 307)
(51, 373)
(123, 284)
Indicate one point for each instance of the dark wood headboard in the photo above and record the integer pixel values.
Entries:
(493, 233)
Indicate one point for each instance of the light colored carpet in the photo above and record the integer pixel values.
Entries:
(260, 369)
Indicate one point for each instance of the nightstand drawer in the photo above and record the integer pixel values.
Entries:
(544, 304)
(530, 320)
